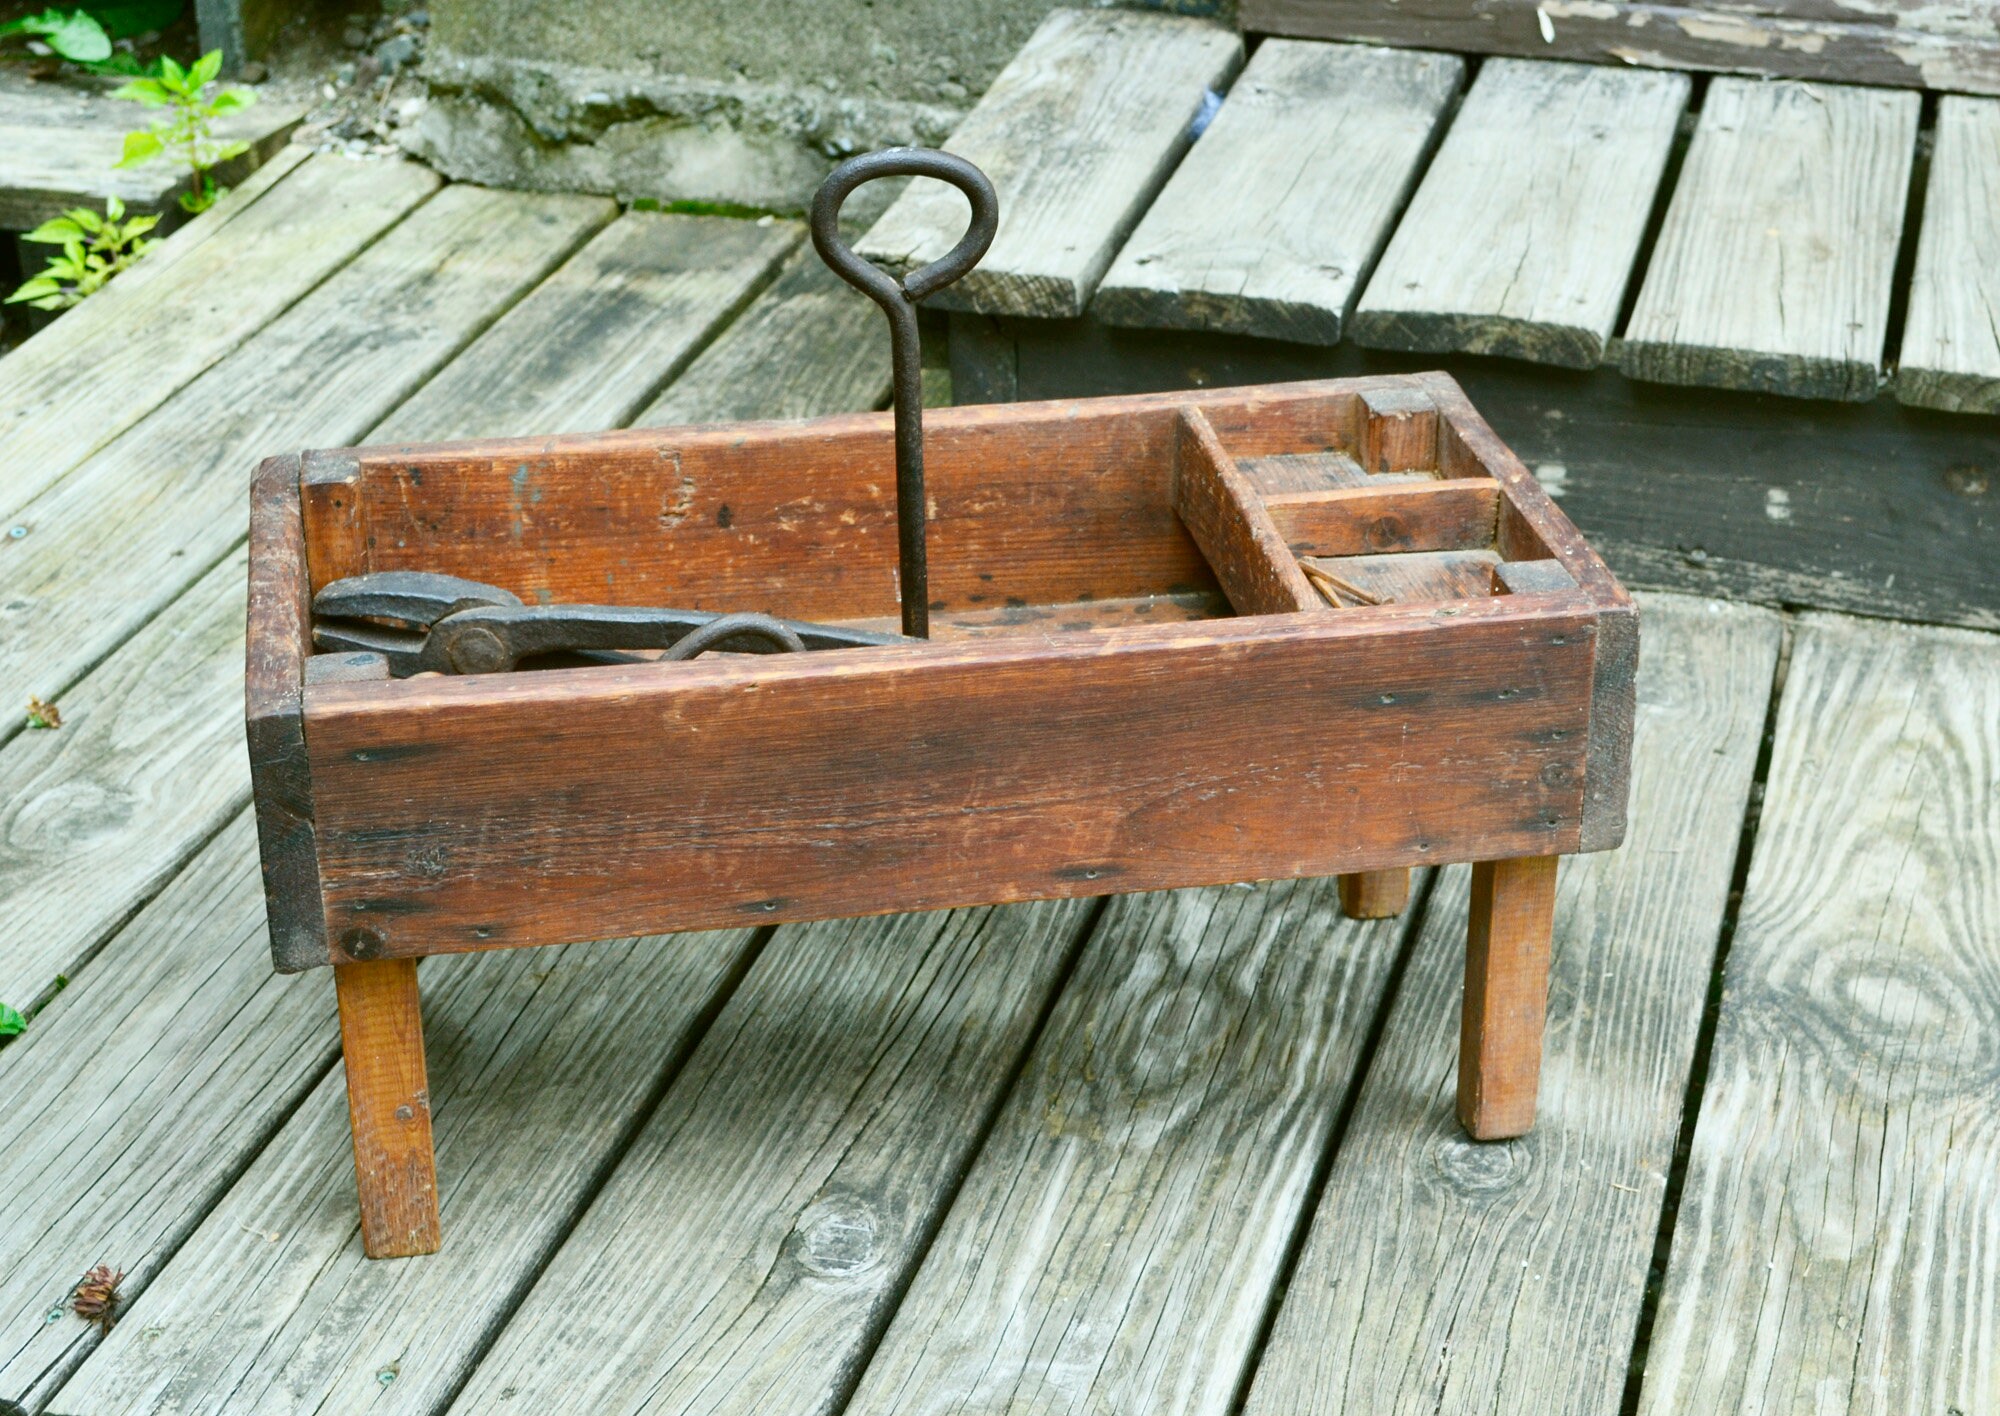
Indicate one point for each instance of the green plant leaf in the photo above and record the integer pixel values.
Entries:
(151, 92)
(172, 74)
(33, 289)
(70, 33)
(54, 231)
(141, 146)
(122, 21)
(140, 225)
(228, 150)
(12, 1024)
(204, 71)
(229, 100)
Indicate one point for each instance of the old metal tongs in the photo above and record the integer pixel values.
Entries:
(423, 622)
(428, 623)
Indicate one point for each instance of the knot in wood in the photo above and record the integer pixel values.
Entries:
(838, 1237)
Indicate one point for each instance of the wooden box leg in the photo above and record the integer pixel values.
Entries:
(1506, 995)
(388, 1105)
(1374, 894)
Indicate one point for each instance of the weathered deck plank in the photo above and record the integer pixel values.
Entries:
(541, 1063)
(1116, 1245)
(633, 306)
(1276, 215)
(766, 1221)
(113, 543)
(133, 1102)
(1835, 1242)
(71, 389)
(1773, 269)
(1078, 133)
(1521, 239)
(1445, 1274)
(147, 765)
(810, 344)
(1951, 338)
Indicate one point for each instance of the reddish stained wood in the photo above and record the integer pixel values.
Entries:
(531, 808)
(1228, 520)
(389, 1106)
(1399, 430)
(1043, 502)
(1374, 894)
(278, 642)
(1457, 515)
(336, 535)
(1506, 995)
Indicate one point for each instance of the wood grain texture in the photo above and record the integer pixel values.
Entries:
(1115, 1246)
(767, 1219)
(113, 543)
(1457, 514)
(1554, 166)
(1375, 894)
(278, 656)
(1228, 520)
(1506, 996)
(542, 1065)
(1773, 269)
(148, 763)
(1078, 134)
(1892, 43)
(192, 301)
(1834, 1240)
(60, 146)
(810, 345)
(388, 1106)
(1445, 1274)
(137, 1096)
(925, 776)
(634, 305)
(1273, 220)
(1951, 337)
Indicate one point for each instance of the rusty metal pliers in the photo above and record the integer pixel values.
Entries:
(428, 623)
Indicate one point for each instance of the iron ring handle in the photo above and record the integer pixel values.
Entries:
(881, 287)
(780, 636)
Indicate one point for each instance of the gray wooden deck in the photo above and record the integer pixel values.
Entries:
(1190, 1152)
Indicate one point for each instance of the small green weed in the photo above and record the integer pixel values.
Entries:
(185, 132)
(12, 1024)
(94, 248)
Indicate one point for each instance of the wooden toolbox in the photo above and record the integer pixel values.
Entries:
(1257, 633)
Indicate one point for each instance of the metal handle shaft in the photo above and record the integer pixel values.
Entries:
(898, 299)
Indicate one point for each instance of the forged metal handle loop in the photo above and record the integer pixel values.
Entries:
(898, 299)
(776, 637)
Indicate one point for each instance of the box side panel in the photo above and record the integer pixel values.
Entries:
(461, 814)
(1614, 701)
(278, 635)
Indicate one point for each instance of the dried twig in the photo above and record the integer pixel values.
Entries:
(1333, 587)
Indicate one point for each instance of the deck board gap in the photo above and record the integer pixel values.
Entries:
(1414, 918)
(1704, 1038)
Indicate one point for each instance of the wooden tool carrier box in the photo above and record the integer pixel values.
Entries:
(1296, 630)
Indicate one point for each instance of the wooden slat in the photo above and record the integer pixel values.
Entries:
(635, 304)
(766, 1221)
(147, 764)
(1115, 1246)
(135, 1098)
(1893, 43)
(1951, 337)
(117, 540)
(1521, 239)
(1835, 1239)
(541, 1064)
(1773, 269)
(1455, 514)
(1227, 519)
(1078, 133)
(388, 1106)
(811, 344)
(75, 386)
(1273, 220)
(1442, 1274)
(60, 146)
(1409, 577)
